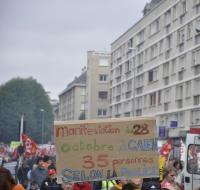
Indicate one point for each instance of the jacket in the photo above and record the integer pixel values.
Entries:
(50, 184)
(38, 175)
(82, 186)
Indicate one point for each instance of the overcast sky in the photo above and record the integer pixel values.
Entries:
(49, 39)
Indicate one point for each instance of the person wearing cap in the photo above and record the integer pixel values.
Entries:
(50, 183)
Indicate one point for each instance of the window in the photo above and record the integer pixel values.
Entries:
(103, 95)
(167, 95)
(166, 69)
(138, 103)
(196, 117)
(161, 47)
(196, 4)
(196, 57)
(175, 12)
(146, 55)
(103, 77)
(180, 75)
(182, 62)
(154, 51)
(179, 92)
(197, 100)
(128, 66)
(197, 86)
(189, 31)
(103, 62)
(193, 165)
(168, 42)
(152, 99)
(180, 36)
(140, 37)
(82, 106)
(145, 101)
(188, 89)
(168, 17)
(153, 75)
(139, 81)
(102, 112)
(182, 7)
(130, 43)
(154, 27)
(119, 71)
(173, 66)
(128, 85)
(118, 90)
(139, 68)
(159, 97)
(140, 58)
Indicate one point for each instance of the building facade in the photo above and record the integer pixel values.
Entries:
(97, 85)
(155, 68)
(72, 99)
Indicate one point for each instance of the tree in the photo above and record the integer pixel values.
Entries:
(24, 96)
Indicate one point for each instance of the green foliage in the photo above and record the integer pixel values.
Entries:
(24, 96)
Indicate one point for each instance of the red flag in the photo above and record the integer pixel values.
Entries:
(166, 149)
(30, 146)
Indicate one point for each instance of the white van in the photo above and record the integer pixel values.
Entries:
(192, 162)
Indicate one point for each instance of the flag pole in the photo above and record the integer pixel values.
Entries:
(21, 127)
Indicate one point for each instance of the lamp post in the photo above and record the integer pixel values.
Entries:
(42, 111)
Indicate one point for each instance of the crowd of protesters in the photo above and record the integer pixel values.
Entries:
(39, 173)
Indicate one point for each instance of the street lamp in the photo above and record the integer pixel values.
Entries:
(42, 110)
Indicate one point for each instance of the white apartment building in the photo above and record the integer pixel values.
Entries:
(72, 99)
(97, 85)
(155, 68)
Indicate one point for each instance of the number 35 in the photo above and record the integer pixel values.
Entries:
(101, 161)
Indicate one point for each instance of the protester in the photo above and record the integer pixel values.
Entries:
(50, 182)
(67, 185)
(107, 184)
(119, 185)
(39, 174)
(129, 186)
(34, 186)
(46, 161)
(7, 182)
(82, 186)
(179, 173)
(169, 179)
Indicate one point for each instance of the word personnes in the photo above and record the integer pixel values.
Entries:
(81, 175)
(139, 145)
(133, 161)
(82, 146)
(138, 129)
(140, 171)
(85, 130)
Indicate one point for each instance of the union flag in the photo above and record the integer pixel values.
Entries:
(30, 146)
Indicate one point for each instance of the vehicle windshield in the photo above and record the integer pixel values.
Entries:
(193, 159)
